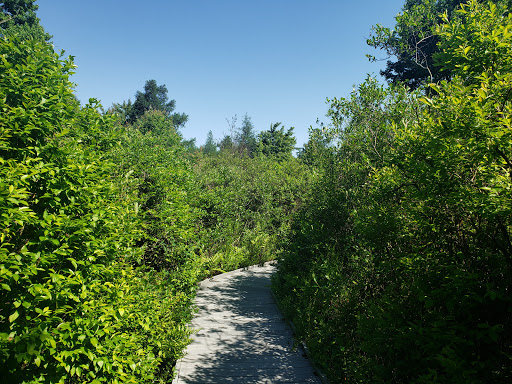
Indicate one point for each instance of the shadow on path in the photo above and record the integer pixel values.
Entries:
(241, 335)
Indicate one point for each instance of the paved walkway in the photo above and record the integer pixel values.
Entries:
(242, 337)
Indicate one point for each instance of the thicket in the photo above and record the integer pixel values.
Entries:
(247, 206)
(395, 266)
(84, 296)
(399, 270)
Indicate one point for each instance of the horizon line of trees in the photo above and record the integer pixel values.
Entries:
(275, 142)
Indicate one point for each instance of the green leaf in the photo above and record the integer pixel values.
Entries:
(44, 336)
(13, 317)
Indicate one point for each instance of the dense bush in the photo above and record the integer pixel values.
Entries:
(73, 306)
(152, 155)
(399, 269)
(247, 206)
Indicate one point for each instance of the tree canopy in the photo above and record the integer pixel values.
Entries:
(276, 142)
(18, 17)
(153, 97)
(245, 137)
(412, 44)
(210, 147)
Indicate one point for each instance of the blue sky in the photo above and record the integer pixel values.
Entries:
(276, 60)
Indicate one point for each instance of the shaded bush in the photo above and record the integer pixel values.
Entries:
(399, 269)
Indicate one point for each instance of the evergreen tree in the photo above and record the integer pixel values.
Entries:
(276, 142)
(226, 144)
(210, 147)
(246, 139)
(154, 97)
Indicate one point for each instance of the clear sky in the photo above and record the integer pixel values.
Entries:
(276, 60)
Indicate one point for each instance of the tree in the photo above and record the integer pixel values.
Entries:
(226, 144)
(245, 137)
(189, 145)
(413, 42)
(240, 139)
(153, 97)
(122, 110)
(275, 142)
(210, 147)
(319, 147)
(18, 17)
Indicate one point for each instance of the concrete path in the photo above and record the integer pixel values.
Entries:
(242, 337)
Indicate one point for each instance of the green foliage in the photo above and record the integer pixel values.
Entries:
(413, 42)
(152, 154)
(210, 148)
(327, 272)
(247, 206)
(73, 307)
(396, 267)
(226, 144)
(399, 268)
(319, 147)
(276, 142)
(246, 138)
(154, 97)
(18, 18)
(475, 45)
(242, 139)
(189, 145)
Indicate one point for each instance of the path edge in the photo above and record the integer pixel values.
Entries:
(303, 346)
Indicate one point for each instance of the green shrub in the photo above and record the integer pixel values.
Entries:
(73, 308)
(399, 269)
(247, 206)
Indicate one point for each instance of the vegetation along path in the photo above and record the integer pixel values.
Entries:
(241, 335)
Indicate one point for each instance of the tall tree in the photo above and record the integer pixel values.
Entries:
(226, 144)
(246, 138)
(412, 44)
(210, 147)
(276, 142)
(154, 97)
(18, 18)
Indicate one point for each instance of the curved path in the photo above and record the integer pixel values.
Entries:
(241, 335)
